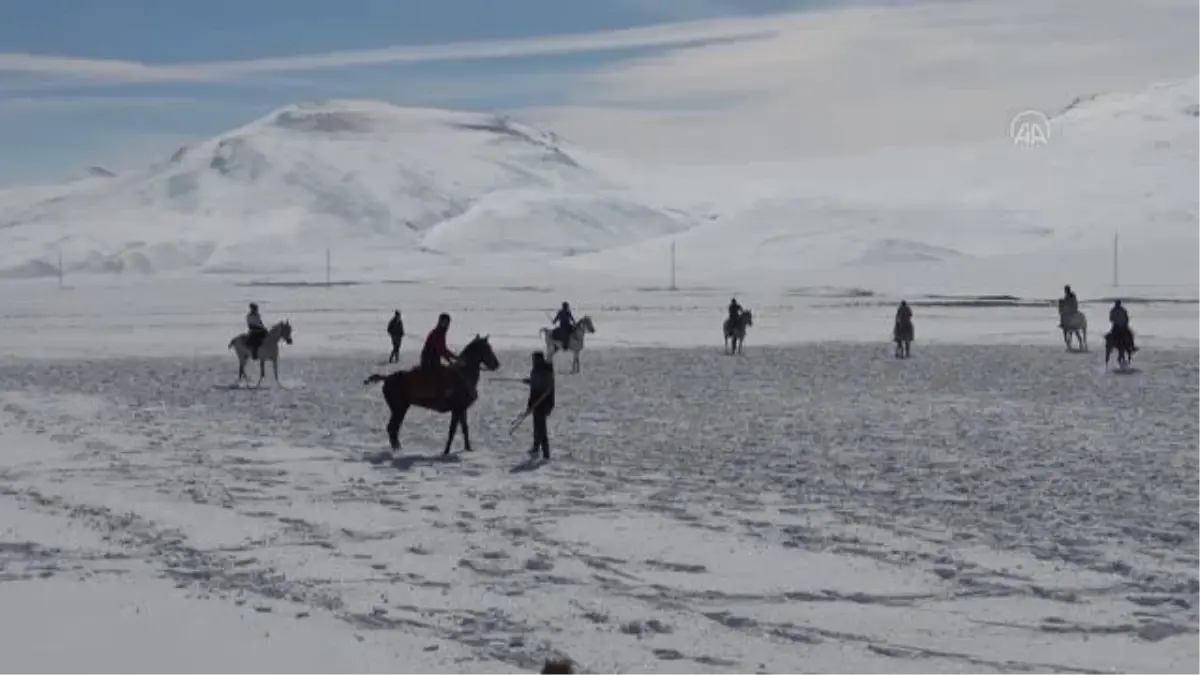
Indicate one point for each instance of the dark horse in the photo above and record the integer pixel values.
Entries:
(902, 335)
(1121, 341)
(445, 390)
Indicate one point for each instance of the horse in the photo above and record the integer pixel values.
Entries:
(445, 390)
(902, 335)
(574, 341)
(1073, 324)
(1122, 344)
(267, 351)
(735, 335)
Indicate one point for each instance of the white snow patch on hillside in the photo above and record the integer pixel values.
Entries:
(434, 192)
(1123, 163)
(361, 175)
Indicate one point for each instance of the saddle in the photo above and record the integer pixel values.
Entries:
(561, 335)
(439, 386)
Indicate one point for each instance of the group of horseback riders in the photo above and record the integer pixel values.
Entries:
(435, 352)
(1118, 317)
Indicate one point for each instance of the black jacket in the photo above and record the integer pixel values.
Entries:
(395, 327)
(541, 388)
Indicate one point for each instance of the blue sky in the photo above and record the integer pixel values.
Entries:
(51, 125)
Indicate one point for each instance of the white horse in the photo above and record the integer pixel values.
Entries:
(1073, 323)
(574, 342)
(735, 335)
(267, 351)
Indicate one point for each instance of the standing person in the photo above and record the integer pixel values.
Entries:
(395, 329)
(541, 401)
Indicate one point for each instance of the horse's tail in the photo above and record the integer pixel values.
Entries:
(232, 343)
(374, 377)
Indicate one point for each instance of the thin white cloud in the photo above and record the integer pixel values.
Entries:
(118, 71)
(34, 104)
(856, 79)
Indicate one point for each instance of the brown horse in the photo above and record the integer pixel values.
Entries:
(445, 390)
(1121, 342)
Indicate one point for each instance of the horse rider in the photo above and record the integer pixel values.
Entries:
(256, 331)
(903, 314)
(565, 324)
(735, 312)
(1119, 318)
(1068, 304)
(435, 351)
(395, 329)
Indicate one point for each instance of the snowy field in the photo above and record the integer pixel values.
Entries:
(195, 318)
(994, 503)
(811, 508)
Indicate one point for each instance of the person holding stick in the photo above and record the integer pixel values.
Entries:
(541, 401)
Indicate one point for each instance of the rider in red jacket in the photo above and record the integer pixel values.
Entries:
(435, 349)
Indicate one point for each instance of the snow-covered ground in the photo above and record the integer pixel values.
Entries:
(993, 504)
(820, 507)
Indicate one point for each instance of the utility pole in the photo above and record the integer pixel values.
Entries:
(673, 265)
(1116, 262)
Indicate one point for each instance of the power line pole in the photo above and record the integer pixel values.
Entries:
(1116, 262)
(673, 265)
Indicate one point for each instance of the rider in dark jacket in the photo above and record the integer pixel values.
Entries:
(735, 310)
(256, 330)
(565, 324)
(1119, 318)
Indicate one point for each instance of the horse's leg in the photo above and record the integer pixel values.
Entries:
(275, 369)
(575, 361)
(462, 421)
(454, 420)
(262, 370)
(398, 411)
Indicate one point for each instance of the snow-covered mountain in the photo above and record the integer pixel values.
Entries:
(365, 177)
(1123, 163)
(382, 184)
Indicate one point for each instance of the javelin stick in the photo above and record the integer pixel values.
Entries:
(516, 424)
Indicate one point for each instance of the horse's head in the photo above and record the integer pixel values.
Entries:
(283, 330)
(585, 324)
(747, 317)
(479, 352)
